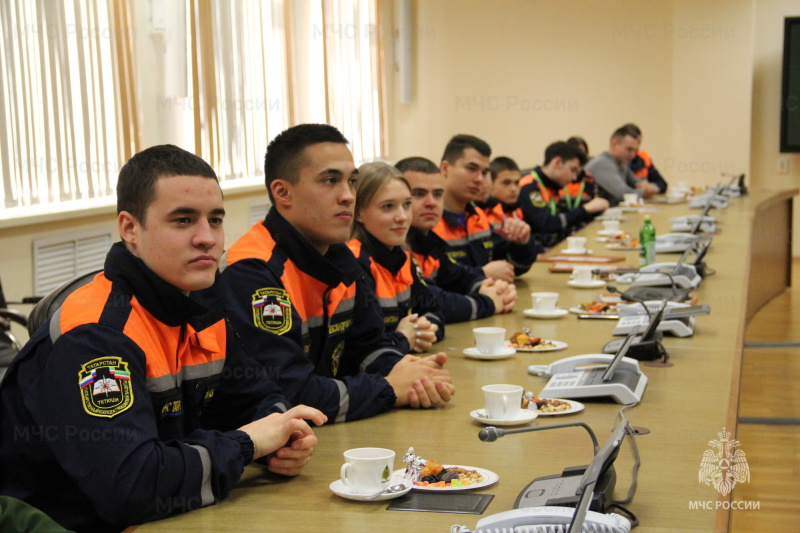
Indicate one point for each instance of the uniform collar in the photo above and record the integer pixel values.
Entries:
(546, 181)
(164, 301)
(459, 219)
(391, 259)
(424, 244)
(337, 266)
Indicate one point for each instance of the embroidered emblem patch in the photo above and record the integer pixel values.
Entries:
(537, 200)
(336, 357)
(272, 310)
(105, 386)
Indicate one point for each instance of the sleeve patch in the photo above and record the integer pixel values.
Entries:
(105, 387)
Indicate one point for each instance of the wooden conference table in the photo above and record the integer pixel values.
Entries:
(684, 406)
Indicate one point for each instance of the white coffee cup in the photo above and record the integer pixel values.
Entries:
(576, 244)
(544, 302)
(611, 226)
(613, 213)
(582, 273)
(489, 340)
(630, 198)
(367, 470)
(502, 402)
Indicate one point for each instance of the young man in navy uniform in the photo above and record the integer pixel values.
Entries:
(134, 402)
(299, 300)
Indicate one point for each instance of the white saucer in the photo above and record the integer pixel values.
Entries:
(524, 416)
(592, 284)
(610, 233)
(555, 313)
(504, 353)
(340, 489)
(576, 252)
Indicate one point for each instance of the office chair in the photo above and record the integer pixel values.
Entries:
(9, 345)
(48, 305)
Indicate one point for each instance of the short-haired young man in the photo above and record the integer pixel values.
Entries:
(464, 292)
(134, 402)
(611, 169)
(546, 202)
(504, 200)
(503, 252)
(302, 305)
(643, 167)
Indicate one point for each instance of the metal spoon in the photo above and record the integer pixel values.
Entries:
(388, 490)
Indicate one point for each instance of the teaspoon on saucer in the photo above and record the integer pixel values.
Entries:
(388, 490)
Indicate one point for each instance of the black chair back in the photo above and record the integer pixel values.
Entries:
(48, 305)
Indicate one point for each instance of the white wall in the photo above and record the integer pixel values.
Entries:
(534, 72)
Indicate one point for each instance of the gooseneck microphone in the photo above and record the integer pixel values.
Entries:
(491, 433)
(630, 298)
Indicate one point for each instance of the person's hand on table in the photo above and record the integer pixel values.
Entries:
(420, 332)
(500, 269)
(288, 435)
(421, 381)
(502, 294)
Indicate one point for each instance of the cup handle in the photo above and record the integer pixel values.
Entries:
(343, 473)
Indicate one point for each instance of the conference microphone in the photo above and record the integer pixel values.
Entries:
(491, 433)
(603, 272)
(628, 297)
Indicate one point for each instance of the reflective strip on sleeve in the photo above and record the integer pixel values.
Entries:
(206, 493)
(344, 401)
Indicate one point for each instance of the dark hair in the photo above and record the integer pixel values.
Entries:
(136, 184)
(284, 155)
(579, 143)
(628, 130)
(455, 148)
(417, 164)
(565, 151)
(501, 163)
(634, 130)
(371, 179)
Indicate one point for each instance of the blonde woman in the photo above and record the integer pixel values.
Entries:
(382, 219)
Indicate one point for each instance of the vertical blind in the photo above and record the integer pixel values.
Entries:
(67, 105)
(69, 115)
(242, 78)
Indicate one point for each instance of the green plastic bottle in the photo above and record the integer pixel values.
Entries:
(647, 242)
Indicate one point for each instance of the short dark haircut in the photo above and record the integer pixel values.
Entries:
(136, 184)
(501, 163)
(579, 143)
(626, 131)
(565, 151)
(634, 129)
(417, 164)
(284, 156)
(455, 148)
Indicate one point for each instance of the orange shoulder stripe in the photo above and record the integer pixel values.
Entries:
(257, 243)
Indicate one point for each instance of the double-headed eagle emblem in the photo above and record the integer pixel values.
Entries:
(724, 466)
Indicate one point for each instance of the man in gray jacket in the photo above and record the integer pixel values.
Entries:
(612, 173)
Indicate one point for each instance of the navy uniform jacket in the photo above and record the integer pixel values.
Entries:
(455, 286)
(471, 241)
(398, 286)
(547, 212)
(310, 320)
(122, 408)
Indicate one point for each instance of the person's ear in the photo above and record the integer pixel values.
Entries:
(128, 227)
(444, 167)
(281, 193)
